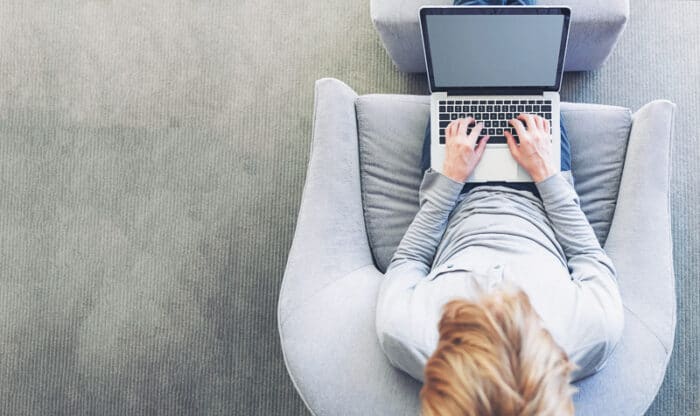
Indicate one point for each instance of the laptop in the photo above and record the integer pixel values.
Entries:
(492, 64)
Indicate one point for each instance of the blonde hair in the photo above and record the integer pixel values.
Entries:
(495, 358)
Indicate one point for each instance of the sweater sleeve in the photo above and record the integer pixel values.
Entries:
(410, 263)
(438, 196)
(590, 268)
(586, 259)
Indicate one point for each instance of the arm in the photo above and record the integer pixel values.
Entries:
(411, 262)
(413, 258)
(590, 267)
(597, 310)
(438, 195)
(585, 258)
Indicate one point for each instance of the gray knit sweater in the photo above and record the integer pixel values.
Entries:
(460, 244)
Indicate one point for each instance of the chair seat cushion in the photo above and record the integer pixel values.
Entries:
(391, 129)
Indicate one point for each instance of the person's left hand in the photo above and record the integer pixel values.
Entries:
(462, 154)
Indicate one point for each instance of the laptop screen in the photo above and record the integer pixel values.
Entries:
(494, 51)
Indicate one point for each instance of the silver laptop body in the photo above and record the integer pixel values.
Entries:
(494, 63)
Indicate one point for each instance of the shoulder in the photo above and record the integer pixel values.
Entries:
(401, 339)
(599, 337)
(403, 354)
(406, 324)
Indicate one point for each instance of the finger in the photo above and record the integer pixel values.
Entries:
(518, 127)
(462, 128)
(476, 131)
(450, 128)
(511, 143)
(470, 121)
(455, 127)
(540, 123)
(482, 147)
(529, 120)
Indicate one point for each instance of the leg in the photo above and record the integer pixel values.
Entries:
(565, 148)
(425, 159)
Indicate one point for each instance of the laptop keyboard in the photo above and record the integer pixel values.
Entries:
(493, 113)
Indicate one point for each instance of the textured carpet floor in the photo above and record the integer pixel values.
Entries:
(152, 159)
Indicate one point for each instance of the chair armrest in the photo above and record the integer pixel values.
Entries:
(330, 240)
(639, 242)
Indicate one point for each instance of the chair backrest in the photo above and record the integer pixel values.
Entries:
(390, 133)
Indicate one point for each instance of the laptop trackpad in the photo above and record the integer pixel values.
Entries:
(496, 165)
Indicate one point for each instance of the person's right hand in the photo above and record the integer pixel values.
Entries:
(534, 153)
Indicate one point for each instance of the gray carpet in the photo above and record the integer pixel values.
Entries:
(152, 159)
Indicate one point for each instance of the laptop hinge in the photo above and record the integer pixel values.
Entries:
(495, 91)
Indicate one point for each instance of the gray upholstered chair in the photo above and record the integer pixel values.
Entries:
(361, 194)
(595, 28)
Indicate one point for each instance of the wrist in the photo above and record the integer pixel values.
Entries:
(543, 173)
(454, 177)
